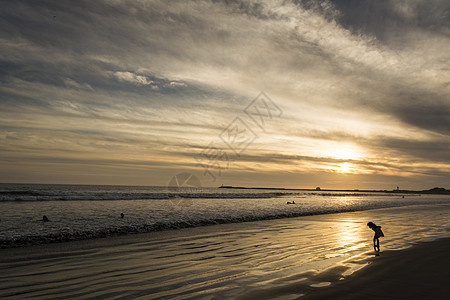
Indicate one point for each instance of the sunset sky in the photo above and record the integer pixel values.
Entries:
(356, 93)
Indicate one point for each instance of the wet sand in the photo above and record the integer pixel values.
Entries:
(421, 272)
(297, 258)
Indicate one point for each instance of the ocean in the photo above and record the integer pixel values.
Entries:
(198, 243)
(78, 212)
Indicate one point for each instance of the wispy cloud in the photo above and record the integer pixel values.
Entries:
(140, 79)
(133, 78)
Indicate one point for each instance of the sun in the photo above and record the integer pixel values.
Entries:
(344, 158)
(344, 167)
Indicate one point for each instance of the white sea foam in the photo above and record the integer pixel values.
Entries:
(81, 212)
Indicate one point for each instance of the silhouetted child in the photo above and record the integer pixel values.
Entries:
(45, 219)
(378, 234)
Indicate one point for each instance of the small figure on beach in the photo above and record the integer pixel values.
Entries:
(122, 215)
(289, 202)
(45, 219)
(378, 234)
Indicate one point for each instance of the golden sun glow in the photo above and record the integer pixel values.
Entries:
(344, 153)
(344, 167)
(347, 154)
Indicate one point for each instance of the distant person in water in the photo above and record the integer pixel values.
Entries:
(378, 234)
(45, 219)
(122, 215)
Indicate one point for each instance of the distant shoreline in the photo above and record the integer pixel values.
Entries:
(435, 191)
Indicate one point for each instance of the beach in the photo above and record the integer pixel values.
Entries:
(310, 257)
(224, 149)
(421, 272)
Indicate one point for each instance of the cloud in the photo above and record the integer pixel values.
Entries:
(373, 74)
(384, 19)
(73, 84)
(132, 78)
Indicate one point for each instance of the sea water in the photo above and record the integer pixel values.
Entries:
(271, 259)
(77, 212)
(286, 251)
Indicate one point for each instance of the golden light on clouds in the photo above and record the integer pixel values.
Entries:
(345, 153)
(357, 96)
(344, 167)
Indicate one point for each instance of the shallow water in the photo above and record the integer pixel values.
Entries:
(82, 212)
(221, 261)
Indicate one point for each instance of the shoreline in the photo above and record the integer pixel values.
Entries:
(31, 241)
(282, 258)
(433, 191)
(50, 239)
(418, 272)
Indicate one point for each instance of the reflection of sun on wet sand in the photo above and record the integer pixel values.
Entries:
(420, 272)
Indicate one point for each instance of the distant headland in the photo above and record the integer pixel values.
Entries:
(435, 190)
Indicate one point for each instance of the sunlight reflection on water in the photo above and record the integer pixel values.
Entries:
(235, 258)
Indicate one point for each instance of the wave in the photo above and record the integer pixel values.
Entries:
(39, 195)
(197, 220)
(29, 240)
(92, 196)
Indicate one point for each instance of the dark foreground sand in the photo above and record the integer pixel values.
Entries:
(420, 272)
